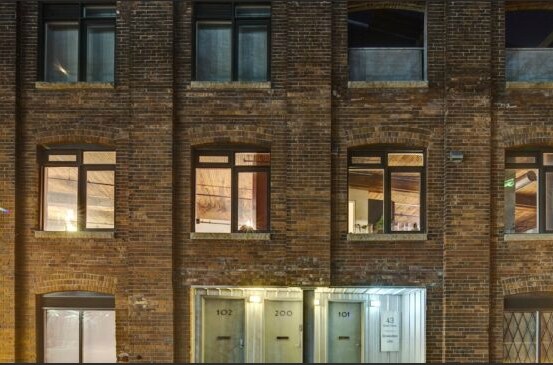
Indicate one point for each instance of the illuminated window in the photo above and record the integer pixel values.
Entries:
(528, 192)
(78, 189)
(232, 191)
(386, 191)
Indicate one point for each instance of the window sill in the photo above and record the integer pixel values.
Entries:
(229, 85)
(387, 84)
(79, 234)
(513, 237)
(253, 236)
(41, 85)
(391, 237)
(529, 85)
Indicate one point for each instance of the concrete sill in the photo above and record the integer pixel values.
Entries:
(390, 237)
(513, 237)
(529, 85)
(387, 84)
(41, 85)
(253, 236)
(230, 85)
(76, 235)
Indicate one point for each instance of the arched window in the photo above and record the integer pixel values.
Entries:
(78, 188)
(528, 42)
(386, 44)
(77, 327)
(386, 190)
(232, 190)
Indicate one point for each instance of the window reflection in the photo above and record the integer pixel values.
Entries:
(366, 196)
(406, 190)
(213, 200)
(252, 201)
(60, 198)
(521, 200)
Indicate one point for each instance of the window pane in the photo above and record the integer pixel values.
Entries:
(100, 54)
(519, 337)
(548, 159)
(549, 201)
(361, 160)
(253, 11)
(253, 159)
(99, 158)
(213, 159)
(405, 159)
(528, 28)
(61, 52)
(99, 12)
(366, 197)
(61, 336)
(521, 201)
(99, 337)
(213, 200)
(60, 198)
(406, 200)
(100, 199)
(252, 201)
(62, 158)
(520, 159)
(213, 48)
(252, 53)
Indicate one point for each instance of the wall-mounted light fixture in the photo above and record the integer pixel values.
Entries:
(254, 299)
(375, 303)
(316, 302)
(456, 156)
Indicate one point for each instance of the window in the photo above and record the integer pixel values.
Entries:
(232, 42)
(386, 44)
(529, 44)
(528, 328)
(386, 191)
(528, 192)
(78, 327)
(232, 191)
(78, 189)
(78, 42)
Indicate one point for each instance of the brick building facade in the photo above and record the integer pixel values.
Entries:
(309, 115)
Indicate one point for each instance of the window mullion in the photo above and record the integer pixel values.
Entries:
(81, 198)
(387, 201)
(234, 196)
(81, 336)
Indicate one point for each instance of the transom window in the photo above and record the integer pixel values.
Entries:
(232, 41)
(528, 192)
(78, 42)
(386, 190)
(232, 190)
(78, 188)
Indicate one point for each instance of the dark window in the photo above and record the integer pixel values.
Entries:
(78, 42)
(528, 328)
(77, 327)
(232, 190)
(529, 43)
(385, 44)
(386, 191)
(78, 189)
(232, 42)
(528, 192)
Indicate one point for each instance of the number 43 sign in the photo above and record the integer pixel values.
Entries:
(389, 331)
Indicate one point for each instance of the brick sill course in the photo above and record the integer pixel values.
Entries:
(229, 85)
(529, 85)
(254, 236)
(512, 237)
(40, 85)
(392, 237)
(387, 84)
(81, 234)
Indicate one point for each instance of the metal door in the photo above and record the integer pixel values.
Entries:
(223, 330)
(344, 332)
(283, 331)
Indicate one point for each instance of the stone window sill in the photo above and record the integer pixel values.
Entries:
(229, 85)
(253, 236)
(387, 84)
(390, 237)
(41, 85)
(529, 85)
(79, 234)
(513, 237)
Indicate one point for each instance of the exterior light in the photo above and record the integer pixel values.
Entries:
(316, 302)
(254, 299)
(375, 303)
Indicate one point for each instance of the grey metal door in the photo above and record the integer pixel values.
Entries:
(283, 336)
(223, 330)
(344, 332)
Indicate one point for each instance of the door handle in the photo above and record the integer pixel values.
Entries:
(241, 343)
(300, 341)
